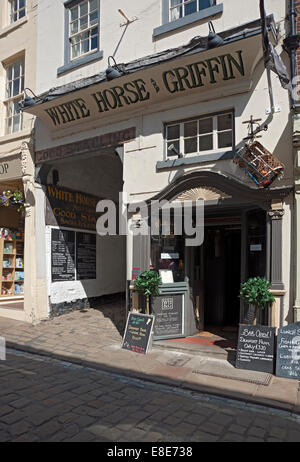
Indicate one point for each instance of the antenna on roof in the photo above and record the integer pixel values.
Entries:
(128, 21)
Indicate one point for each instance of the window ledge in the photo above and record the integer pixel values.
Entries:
(6, 30)
(187, 20)
(80, 62)
(26, 133)
(171, 163)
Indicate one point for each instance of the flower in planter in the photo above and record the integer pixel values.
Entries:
(15, 199)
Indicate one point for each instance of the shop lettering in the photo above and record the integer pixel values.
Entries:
(176, 80)
(193, 75)
(3, 169)
(130, 93)
(68, 112)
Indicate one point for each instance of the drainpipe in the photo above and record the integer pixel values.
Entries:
(291, 43)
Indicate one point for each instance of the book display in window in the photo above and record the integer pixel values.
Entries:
(11, 267)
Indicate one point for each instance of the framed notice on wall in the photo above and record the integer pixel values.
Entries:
(62, 255)
(73, 255)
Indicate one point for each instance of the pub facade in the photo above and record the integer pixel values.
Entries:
(166, 118)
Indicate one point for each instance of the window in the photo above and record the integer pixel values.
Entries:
(17, 10)
(201, 135)
(182, 8)
(177, 14)
(13, 95)
(83, 28)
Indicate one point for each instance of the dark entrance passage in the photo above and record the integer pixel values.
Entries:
(222, 275)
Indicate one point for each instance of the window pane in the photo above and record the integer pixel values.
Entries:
(225, 122)
(83, 8)
(190, 129)
(190, 145)
(22, 84)
(93, 5)
(190, 8)
(176, 13)
(8, 126)
(9, 73)
(176, 146)
(74, 27)
(94, 42)
(173, 132)
(205, 4)
(85, 46)
(22, 13)
(205, 143)
(16, 87)
(75, 50)
(94, 18)
(225, 139)
(9, 90)
(22, 4)
(16, 123)
(176, 2)
(206, 125)
(83, 22)
(74, 13)
(16, 70)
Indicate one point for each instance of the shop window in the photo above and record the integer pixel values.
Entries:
(202, 135)
(82, 27)
(13, 95)
(16, 10)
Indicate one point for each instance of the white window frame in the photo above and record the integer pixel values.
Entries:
(182, 4)
(215, 132)
(14, 9)
(89, 29)
(12, 98)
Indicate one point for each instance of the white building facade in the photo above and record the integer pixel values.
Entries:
(166, 125)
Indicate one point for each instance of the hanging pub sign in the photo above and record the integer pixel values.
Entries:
(288, 352)
(70, 209)
(255, 349)
(138, 331)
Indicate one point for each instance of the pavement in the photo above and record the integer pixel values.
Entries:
(93, 338)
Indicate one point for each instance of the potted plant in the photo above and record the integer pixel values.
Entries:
(12, 198)
(147, 283)
(256, 292)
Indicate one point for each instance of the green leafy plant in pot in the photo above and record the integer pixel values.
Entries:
(256, 292)
(147, 283)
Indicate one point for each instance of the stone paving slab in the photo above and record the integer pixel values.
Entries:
(93, 337)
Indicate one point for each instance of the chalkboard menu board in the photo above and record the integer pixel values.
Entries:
(138, 332)
(256, 348)
(288, 351)
(86, 256)
(62, 255)
(169, 315)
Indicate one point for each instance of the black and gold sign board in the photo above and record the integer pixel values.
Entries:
(70, 209)
(256, 348)
(137, 334)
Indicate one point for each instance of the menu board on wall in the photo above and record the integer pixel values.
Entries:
(169, 315)
(86, 256)
(62, 255)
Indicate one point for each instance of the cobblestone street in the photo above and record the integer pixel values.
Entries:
(42, 399)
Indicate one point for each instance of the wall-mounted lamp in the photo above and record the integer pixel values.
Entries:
(174, 151)
(113, 72)
(27, 101)
(213, 40)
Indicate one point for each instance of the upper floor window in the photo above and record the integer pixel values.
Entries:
(182, 8)
(17, 10)
(200, 135)
(13, 95)
(83, 28)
